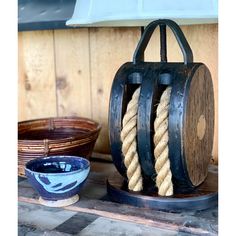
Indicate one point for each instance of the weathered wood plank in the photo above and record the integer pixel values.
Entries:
(73, 72)
(37, 75)
(22, 110)
(131, 214)
(109, 49)
(195, 222)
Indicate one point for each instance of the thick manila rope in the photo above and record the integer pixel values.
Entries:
(129, 144)
(161, 150)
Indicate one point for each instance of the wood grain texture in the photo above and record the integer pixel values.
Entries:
(22, 109)
(109, 49)
(106, 211)
(199, 106)
(192, 222)
(73, 72)
(37, 89)
(203, 40)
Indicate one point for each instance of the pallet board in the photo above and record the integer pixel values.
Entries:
(93, 199)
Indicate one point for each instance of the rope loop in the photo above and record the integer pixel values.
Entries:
(163, 176)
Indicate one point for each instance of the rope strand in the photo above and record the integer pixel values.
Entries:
(161, 150)
(129, 144)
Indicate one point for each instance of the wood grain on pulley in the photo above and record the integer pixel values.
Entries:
(198, 128)
(190, 115)
(191, 125)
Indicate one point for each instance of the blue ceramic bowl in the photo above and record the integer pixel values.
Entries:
(57, 177)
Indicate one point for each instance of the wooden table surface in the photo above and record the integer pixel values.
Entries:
(94, 200)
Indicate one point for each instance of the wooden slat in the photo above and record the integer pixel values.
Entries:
(22, 110)
(36, 75)
(104, 212)
(180, 222)
(73, 72)
(109, 49)
(92, 201)
(198, 222)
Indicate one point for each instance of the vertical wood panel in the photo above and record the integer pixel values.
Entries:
(21, 78)
(73, 72)
(110, 48)
(37, 75)
(86, 62)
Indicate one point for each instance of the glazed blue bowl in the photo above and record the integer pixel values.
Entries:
(57, 177)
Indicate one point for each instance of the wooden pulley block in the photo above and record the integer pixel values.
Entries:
(191, 111)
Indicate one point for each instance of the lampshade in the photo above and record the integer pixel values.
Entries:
(141, 12)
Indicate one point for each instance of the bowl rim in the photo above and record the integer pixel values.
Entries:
(89, 133)
(59, 174)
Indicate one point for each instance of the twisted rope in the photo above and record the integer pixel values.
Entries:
(161, 150)
(129, 144)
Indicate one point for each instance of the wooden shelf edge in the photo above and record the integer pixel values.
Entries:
(127, 218)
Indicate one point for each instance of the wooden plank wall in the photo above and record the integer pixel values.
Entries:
(70, 72)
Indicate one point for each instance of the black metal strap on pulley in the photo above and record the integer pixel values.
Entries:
(143, 42)
(151, 90)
